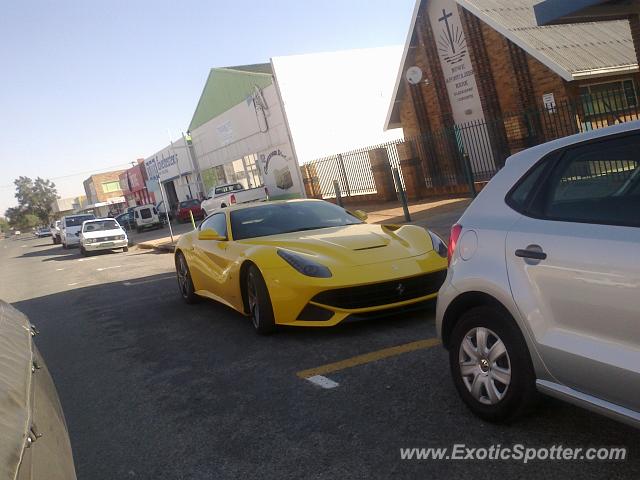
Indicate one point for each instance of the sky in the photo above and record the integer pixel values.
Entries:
(89, 86)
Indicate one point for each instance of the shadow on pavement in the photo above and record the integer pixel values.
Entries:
(211, 397)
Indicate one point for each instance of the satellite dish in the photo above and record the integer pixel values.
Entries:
(414, 75)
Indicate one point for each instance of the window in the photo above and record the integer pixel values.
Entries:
(521, 193)
(108, 187)
(77, 221)
(217, 222)
(598, 182)
(145, 213)
(608, 97)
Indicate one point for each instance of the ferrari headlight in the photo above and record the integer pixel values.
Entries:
(438, 244)
(304, 265)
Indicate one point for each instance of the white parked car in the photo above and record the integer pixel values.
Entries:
(146, 216)
(70, 229)
(102, 234)
(542, 293)
(231, 194)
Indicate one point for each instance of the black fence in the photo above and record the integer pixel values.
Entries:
(474, 151)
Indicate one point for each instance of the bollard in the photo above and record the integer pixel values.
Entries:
(401, 194)
(336, 188)
(193, 222)
(469, 174)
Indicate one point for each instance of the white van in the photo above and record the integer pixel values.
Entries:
(70, 226)
(146, 216)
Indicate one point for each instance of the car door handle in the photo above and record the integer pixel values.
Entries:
(528, 252)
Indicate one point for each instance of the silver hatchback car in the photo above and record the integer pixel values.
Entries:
(543, 289)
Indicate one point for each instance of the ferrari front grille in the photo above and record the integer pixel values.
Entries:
(384, 293)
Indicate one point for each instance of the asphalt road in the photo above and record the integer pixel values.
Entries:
(156, 389)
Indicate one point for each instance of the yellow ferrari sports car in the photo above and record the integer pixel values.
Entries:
(307, 263)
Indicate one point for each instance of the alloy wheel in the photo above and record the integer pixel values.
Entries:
(485, 366)
(183, 276)
(252, 298)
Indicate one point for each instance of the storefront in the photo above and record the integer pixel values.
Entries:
(171, 166)
(134, 186)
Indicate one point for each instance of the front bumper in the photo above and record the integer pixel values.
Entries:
(299, 300)
(110, 245)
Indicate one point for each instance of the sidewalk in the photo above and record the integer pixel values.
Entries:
(437, 215)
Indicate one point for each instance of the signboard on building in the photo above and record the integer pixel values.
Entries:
(280, 173)
(459, 77)
(170, 162)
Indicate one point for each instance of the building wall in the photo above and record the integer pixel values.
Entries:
(241, 132)
(93, 186)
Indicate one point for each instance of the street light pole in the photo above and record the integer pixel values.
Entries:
(166, 209)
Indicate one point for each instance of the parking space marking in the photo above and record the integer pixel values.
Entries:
(368, 358)
(59, 269)
(107, 268)
(128, 284)
(87, 259)
(323, 382)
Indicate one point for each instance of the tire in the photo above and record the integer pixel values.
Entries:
(259, 302)
(138, 230)
(54, 240)
(125, 249)
(64, 245)
(498, 389)
(83, 251)
(185, 283)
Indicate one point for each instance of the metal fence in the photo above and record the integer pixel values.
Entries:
(474, 151)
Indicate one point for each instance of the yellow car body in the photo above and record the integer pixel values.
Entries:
(373, 268)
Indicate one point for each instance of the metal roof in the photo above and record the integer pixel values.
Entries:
(573, 51)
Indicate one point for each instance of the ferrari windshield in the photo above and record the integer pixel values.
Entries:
(276, 218)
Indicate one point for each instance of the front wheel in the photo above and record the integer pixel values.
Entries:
(185, 283)
(259, 302)
(83, 251)
(490, 365)
(125, 249)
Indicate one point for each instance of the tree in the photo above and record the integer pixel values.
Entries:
(21, 220)
(34, 198)
(4, 225)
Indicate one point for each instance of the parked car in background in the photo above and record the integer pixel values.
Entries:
(193, 206)
(102, 234)
(544, 277)
(232, 194)
(16, 233)
(126, 221)
(43, 232)
(146, 216)
(55, 232)
(35, 442)
(70, 228)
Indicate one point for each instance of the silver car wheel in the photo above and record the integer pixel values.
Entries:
(485, 366)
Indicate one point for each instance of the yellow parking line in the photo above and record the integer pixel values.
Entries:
(369, 357)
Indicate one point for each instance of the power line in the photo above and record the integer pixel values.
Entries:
(95, 170)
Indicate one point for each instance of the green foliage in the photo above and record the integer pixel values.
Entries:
(4, 225)
(34, 200)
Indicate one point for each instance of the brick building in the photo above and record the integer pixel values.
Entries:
(104, 193)
(480, 79)
(133, 183)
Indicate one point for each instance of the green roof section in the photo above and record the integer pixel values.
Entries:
(227, 87)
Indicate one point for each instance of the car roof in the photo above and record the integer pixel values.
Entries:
(535, 153)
